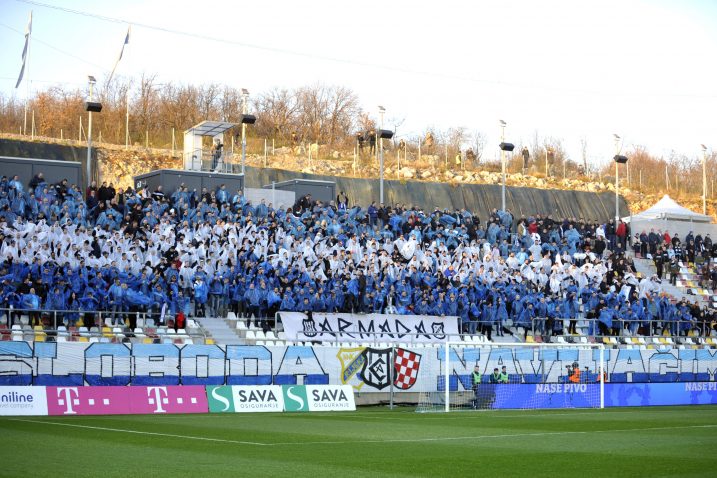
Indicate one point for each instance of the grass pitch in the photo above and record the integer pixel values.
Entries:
(656, 441)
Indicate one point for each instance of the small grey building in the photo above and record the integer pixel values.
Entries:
(53, 171)
(171, 179)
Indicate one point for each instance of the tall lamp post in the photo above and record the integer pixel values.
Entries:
(382, 134)
(381, 112)
(503, 148)
(90, 107)
(619, 159)
(704, 179)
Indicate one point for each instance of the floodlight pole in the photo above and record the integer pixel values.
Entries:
(502, 164)
(89, 137)
(704, 179)
(381, 111)
(244, 95)
(617, 180)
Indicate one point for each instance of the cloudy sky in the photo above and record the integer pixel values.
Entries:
(643, 69)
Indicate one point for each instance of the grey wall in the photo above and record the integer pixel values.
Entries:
(54, 171)
(58, 152)
(320, 191)
(278, 198)
(477, 198)
(170, 179)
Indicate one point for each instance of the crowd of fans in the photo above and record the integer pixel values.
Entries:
(196, 253)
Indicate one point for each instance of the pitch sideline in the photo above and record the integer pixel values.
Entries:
(345, 442)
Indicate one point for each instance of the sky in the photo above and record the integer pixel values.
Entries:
(571, 70)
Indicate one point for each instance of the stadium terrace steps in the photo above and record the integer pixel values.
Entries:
(687, 282)
(647, 268)
(218, 329)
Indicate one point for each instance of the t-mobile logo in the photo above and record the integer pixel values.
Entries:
(159, 399)
(71, 398)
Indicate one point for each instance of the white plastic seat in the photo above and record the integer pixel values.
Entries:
(171, 332)
(270, 335)
(241, 325)
(260, 342)
(250, 336)
(260, 335)
(281, 335)
(231, 316)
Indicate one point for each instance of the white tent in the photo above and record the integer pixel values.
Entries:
(667, 215)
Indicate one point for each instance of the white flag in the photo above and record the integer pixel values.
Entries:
(126, 42)
(25, 49)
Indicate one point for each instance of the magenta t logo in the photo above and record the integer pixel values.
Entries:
(159, 399)
(71, 398)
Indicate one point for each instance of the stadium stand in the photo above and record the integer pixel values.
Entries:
(149, 266)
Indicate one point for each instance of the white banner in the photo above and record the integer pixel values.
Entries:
(241, 399)
(23, 401)
(367, 368)
(330, 398)
(325, 327)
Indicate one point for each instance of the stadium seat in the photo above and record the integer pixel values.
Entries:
(250, 337)
(260, 342)
(259, 334)
(281, 335)
(270, 335)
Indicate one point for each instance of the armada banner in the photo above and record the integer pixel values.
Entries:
(332, 327)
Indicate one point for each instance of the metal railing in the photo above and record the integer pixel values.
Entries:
(596, 329)
(59, 317)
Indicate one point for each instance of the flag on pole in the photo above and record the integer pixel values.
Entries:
(28, 31)
(126, 42)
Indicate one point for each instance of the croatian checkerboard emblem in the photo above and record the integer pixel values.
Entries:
(407, 364)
